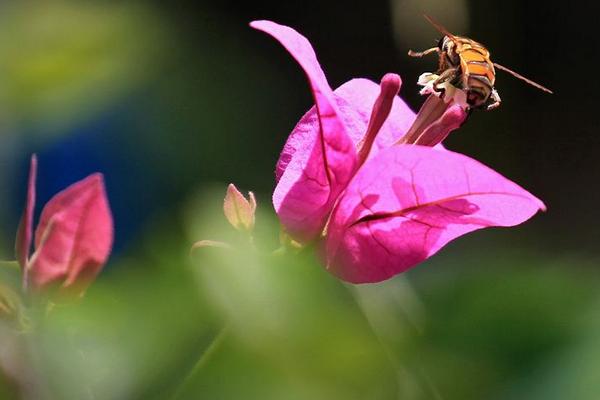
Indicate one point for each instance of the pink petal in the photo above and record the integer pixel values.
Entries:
(306, 193)
(355, 100)
(74, 237)
(24, 233)
(408, 202)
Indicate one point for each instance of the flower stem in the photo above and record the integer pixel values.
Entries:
(201, 362)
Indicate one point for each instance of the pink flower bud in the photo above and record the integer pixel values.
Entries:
(73, 238)
(238, 210)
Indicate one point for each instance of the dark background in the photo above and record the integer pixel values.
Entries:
(174, 100)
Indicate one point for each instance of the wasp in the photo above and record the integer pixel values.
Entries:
(466, 64)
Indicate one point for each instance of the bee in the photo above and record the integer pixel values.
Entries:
(466, 64)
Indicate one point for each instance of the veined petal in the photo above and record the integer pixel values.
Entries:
(74, 237)
(406, 203)
(355, 100)
(306, 192)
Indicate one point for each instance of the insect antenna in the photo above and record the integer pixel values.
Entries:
(521, 77)
(439, 27)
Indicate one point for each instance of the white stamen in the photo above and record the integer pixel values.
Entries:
(450, 92)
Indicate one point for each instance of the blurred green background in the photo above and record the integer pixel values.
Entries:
(172, 101)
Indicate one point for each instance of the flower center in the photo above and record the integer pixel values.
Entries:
(442, 112)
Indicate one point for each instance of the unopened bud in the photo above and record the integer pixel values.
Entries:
(73, 238)
(238, 210)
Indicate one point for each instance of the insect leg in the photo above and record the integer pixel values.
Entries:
(496, 97)
(448, 75)
(423, 53)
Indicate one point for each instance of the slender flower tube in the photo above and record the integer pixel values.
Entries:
(73, 238)
(360, 173)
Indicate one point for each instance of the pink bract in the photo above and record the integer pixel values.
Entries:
(73, 238)
(381, 207)
(410, 201)
(307, 191)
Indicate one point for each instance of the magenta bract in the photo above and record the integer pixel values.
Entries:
(408, 202)
(320, 157)
(73, 238)
(381, 206)
(331, 161)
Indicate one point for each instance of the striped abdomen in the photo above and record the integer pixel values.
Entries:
(477, 71)
(476, 64)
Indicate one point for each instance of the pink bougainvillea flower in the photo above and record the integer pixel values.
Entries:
(334, 138)
(360, 171)
(73, 238)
